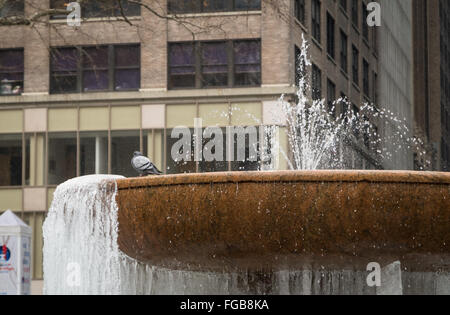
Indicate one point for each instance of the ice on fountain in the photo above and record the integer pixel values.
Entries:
(81, 254)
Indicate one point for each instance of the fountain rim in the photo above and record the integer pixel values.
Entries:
(301, 176)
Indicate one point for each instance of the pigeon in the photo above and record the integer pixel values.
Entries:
(143, 165)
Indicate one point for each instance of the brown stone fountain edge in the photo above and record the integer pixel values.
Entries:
(286, 219)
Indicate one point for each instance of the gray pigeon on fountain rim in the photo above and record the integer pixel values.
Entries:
(143, 165)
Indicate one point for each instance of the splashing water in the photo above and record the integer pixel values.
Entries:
(81, 254)
(319, 137)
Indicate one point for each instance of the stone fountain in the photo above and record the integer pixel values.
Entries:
(300, 220)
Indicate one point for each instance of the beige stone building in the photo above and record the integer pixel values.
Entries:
(79, 100)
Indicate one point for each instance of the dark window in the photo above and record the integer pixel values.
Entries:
(343, 4)
(11, 8)
(299, 8)
(316, 83)
(355, 65)
(10, 160)
(331, 97)
(123, 143)
(64, 64)
(366, 88)
(374, 88)
(297, 66)
(100, 68)
(244, 5)
(198, 6)
(365, 26)
(214, 64)
(247, 63)
(355, 12)
(355, 113)
(11, 72)
(95, 69)
(127, 68)
(330, 36)
(62, 157)
(182, 65)
(93, 153)
(230, 63)
(100, 8)
(315, 19)
(344, 52)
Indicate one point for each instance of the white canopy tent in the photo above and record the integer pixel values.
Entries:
(15, 255)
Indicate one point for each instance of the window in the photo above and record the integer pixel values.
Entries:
(93, 153)
(187, 152)
(298, 74)
(34, 159)
(62, 157)
(11, 72)
(11, 8)
(330, 36)
(374, 87)
(247, 63)
(366, 88)
(331, 97)
(212, 64)
(299, 8)
(248, 159)
(182, 65)
(344, 54)
(10, 160)
(355, 13)
(100, 8)
(365, 26)
(355, 113)
(355, 65)
(220, 164)
(123, 144)
(315, 19)
(316, 83)
(96, 68)
(198, 6)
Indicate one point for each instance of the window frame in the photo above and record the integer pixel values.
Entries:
(111, 68)
(355, 65)
(300, 11)
(344, 50)
(86, 16)
(198, 64)
(22, 72)
(230, 6)
(316, 9)
(331, 38)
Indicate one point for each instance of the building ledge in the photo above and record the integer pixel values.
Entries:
(146, 95)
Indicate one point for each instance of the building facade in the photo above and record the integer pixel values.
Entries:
(431, 78)
(79, 100)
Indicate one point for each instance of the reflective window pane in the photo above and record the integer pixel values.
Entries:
(93, 153)
(62, 157)
(9, 8)
(247, 60)
(11, 71)
(187, 165)
(35, 159)
(123, 145)
(181, 65)
(214, 64)
(10, 160)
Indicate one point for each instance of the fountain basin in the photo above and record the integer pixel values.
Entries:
(284, 219)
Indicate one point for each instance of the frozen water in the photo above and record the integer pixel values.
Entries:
(81, 254)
